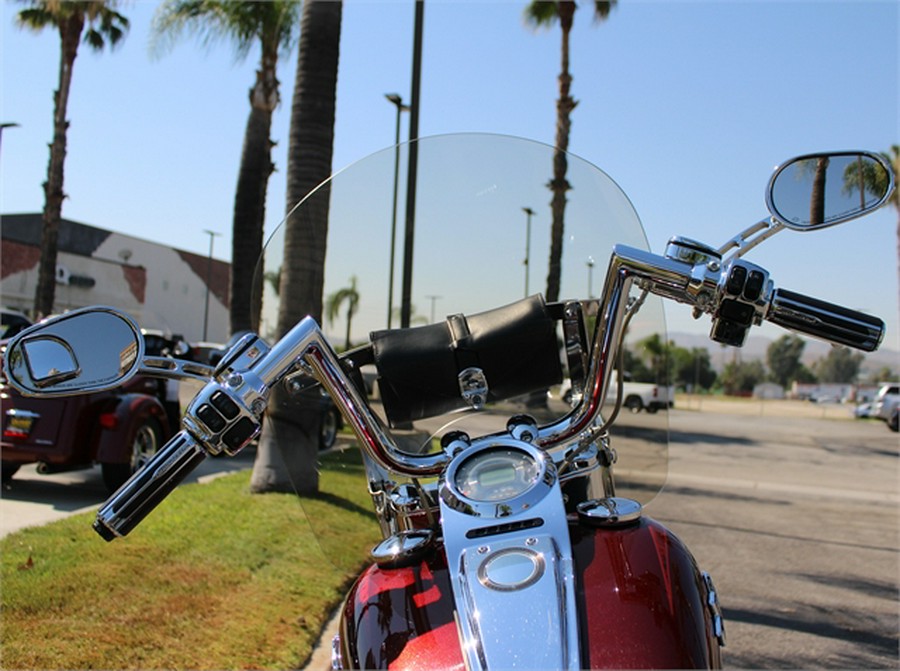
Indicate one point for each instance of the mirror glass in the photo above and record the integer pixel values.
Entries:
(821, 190)
(49, 360)
(84, 350)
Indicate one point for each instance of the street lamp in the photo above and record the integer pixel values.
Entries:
(212, 236)
(528, 212)
(398, 101)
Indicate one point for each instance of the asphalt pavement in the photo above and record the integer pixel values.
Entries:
(794, 511)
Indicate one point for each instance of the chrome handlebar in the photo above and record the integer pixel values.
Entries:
(226, 415)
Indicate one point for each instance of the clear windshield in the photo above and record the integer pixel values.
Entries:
(481, 240)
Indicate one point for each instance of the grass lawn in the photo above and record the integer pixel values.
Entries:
(215, 578)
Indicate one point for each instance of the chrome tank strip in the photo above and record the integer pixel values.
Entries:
(523, 569)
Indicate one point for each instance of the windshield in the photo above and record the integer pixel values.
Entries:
(482, 239)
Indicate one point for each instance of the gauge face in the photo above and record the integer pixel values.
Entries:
(496, 475)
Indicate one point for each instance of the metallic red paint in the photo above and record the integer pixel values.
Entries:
(641, 603)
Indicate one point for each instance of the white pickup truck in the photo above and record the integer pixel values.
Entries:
(637, 395)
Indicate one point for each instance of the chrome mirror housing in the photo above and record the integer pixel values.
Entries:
(820, 190)
(85, 350)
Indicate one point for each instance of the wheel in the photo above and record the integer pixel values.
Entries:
(652, 409)
(147, 440)
(634, 404)
(894, 422)
(7, 470)
(331, 422)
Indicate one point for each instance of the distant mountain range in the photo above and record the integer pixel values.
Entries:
(756, 347)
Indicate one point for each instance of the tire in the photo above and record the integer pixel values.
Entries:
(634, 404)
(331, 423)
(7, 470)
(148, 439)
(652, 409)
(894, 422)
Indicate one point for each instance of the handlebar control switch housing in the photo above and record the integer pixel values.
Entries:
(225, 416)
(744, 292)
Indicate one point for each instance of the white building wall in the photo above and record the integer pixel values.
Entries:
(175, 297)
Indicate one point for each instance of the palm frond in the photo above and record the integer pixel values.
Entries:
(541, 13)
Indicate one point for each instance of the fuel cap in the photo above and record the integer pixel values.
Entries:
(511, 569)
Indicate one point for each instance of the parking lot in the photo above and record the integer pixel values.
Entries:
(794, 513)
(797, 520)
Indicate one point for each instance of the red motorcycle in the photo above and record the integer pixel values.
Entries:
(507, 542)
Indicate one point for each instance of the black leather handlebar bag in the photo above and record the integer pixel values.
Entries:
(513, 349)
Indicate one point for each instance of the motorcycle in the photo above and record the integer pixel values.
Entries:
(512, 522)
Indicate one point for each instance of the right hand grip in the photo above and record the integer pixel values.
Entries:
(145, 489)
(821, 319)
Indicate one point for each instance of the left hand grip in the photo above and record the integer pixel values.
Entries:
(134, 500)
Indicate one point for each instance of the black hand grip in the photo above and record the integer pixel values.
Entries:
(834, 323)
(145, 489)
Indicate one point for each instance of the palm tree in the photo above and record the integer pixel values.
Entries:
(544, 13)
(303, 272)
(272, 25)
(333, 305)
(96, 22)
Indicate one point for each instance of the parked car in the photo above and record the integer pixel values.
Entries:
(638, 395)
(885, 400)
(119, 429)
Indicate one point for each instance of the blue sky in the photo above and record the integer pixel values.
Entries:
(687, 105)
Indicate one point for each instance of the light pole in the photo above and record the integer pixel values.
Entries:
(398, 102)
(433, 300)
(212, 236)
(412, 167)
(528, 212)
(590, 267)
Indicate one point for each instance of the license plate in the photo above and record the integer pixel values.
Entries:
(19, 423)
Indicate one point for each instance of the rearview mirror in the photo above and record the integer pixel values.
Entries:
(85, 350)
(820, 190)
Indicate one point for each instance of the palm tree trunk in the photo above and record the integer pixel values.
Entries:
(349, 320)
(45, 293)
(250, 200)
(817, 196)
(559, 185)
(288, 447)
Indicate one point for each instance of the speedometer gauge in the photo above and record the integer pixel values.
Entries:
(496, 474)
(497, 478)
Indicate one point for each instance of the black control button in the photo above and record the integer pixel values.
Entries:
(736, 312)
(225, 405)
(238, 435)
(753, 288)
(213, 420)
(729, 333)
(736, 279)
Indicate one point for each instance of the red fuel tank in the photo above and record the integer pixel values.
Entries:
(642, 603)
